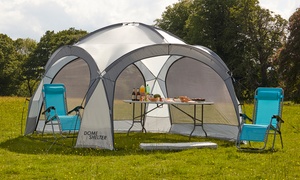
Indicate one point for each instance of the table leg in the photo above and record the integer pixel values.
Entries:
(143, 114)
(141, 117)
(195, 123)
(133, 117)
(200, 120)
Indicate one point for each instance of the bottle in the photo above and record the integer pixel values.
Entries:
(142, 90)
(138, 94)
(147, 89)
(133, 95)
(147, 92)
(142, 93)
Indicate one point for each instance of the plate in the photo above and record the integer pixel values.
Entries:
(191, 101)
(198, 99)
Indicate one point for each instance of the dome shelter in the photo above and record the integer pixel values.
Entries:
(138, 53)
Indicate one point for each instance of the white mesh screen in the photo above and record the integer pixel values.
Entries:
(188, 77)
(76, 77)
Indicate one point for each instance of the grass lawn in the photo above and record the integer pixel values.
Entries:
(23, 157)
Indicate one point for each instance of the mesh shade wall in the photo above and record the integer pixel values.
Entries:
(76, 78)
(188, 77)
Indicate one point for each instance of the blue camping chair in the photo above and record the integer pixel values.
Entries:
(56, 113)
(266, 119)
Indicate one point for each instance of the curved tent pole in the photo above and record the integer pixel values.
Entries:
(62, 52)
(69, 50)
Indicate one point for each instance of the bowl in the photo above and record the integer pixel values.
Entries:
(154, 99)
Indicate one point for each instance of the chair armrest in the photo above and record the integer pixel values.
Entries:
(278, 118)
(245, 117)
(48, 109)
(77, 108)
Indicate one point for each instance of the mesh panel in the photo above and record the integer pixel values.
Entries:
(130, 78)
(76, 78)
(188, 77)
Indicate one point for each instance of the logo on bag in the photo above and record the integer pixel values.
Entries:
(94, 135)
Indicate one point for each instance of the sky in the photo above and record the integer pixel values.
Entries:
(32, 18)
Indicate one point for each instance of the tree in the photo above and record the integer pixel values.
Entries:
(263, 33)
(25, 48)
(242, 33)
(175, 17)
(9, 67)
(216, 25)
(289, 59)
(266, 34)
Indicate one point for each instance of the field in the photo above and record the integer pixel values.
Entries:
(27, 157)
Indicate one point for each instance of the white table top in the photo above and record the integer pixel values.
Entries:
(172, 102)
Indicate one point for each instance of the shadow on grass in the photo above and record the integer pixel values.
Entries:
(124, 145)
(250, 150)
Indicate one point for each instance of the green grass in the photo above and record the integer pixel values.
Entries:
(23, 157)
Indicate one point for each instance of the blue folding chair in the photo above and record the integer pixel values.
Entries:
(56, 113)
(267, 120)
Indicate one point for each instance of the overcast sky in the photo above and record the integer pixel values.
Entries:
(32, 18)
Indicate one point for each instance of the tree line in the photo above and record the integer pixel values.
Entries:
(22, 61)
(259, 47)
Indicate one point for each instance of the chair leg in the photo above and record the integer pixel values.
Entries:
(53, 133)
(55, 137)
(74, 129)
(43, 129)
(281, 139)
(274, 140)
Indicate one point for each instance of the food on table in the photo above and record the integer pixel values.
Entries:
(154, 99)
(184, 98)
(157, 96)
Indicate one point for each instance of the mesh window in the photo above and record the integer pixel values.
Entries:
(130, 78)
(188, 77)
(76, 78)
